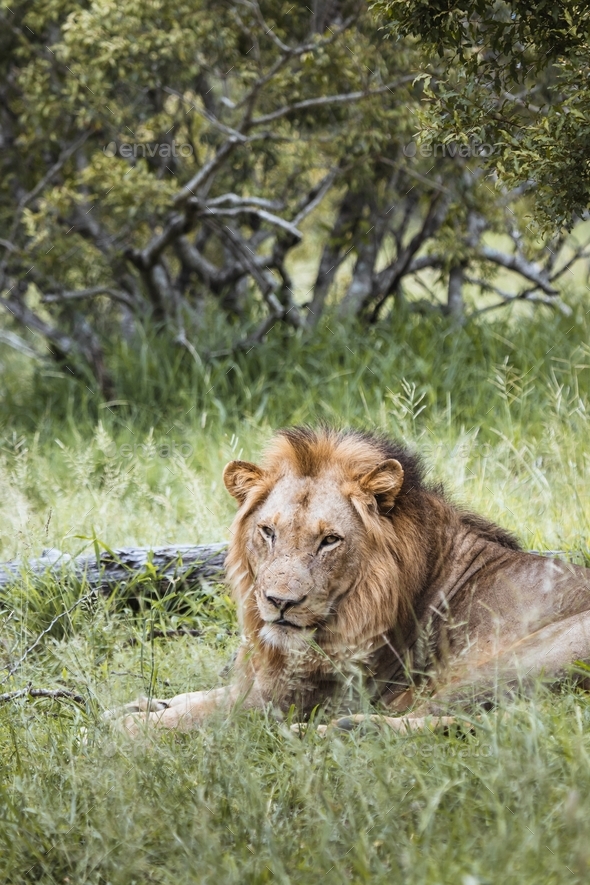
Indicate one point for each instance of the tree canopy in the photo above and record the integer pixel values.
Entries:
(516, 74)
(169, 162)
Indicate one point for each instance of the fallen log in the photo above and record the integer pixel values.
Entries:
(164, 566)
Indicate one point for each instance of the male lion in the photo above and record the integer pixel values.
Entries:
(346, 567)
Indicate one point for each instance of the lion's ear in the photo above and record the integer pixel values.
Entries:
(239, 477)
(384, 482)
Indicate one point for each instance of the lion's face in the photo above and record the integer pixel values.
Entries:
(302, 542)
(301, 547)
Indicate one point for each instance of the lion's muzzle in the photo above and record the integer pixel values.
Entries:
(283, 592)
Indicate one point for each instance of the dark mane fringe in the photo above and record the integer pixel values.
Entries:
(310, 445)
(490, 530)
(306, 443)
(411, 462)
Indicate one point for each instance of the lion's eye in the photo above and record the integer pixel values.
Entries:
(330, 541)
(267, 532)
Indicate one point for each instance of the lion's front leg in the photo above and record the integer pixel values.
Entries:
(402, 724)
(182, 712)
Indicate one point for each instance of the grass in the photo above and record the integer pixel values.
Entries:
(500, 411)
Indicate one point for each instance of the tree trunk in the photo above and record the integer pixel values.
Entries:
(455, 292)
(360, 289)
(166, 565)
(333, 253)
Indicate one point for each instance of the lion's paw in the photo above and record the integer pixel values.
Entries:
(173, 718)
(146, 705)
(132, 718)
(300, 729)
(141, 705)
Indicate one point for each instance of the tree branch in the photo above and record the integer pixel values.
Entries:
(518, 263)
(147, 257)
(206, 211)
(277, 313)
(287, 54)
(201, 178)
(314, 198)
(83, 344)
(196, 261)
(236, 200)
(423, 262)
(529, 295)
(64, 343)
(389, 278)
(327, 100)
(579, 255)
(80, 294)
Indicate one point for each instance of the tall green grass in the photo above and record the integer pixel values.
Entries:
(340, 373)
(499, 410)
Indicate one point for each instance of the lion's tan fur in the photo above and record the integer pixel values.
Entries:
(345, 564)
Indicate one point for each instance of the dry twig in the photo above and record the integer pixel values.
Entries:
(53, 693)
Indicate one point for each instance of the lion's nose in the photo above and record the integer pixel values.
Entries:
(284, 602)
(276, 601)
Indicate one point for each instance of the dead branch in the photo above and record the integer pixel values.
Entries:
(113, 570)
(53, 693)
(161, 634)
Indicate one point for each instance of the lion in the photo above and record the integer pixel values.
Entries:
(353, 576)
